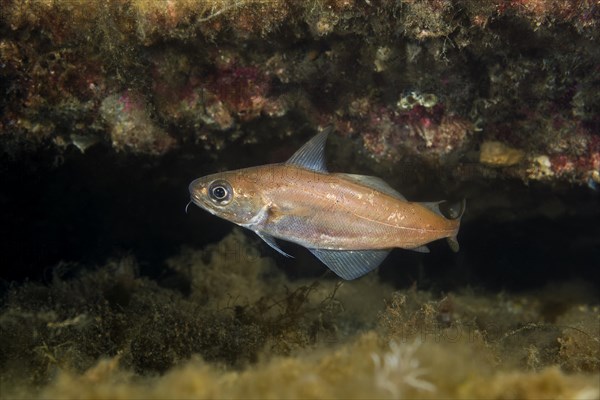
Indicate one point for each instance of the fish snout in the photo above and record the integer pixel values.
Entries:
(196, 188)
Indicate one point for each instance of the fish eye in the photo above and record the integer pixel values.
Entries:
(220, 192)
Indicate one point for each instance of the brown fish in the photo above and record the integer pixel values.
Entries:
(350, 222)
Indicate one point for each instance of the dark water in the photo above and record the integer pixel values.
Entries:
(88, 208)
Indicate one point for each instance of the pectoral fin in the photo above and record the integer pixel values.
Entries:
(270, 240)
(351, 264)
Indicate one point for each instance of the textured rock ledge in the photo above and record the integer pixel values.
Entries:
(418, 82)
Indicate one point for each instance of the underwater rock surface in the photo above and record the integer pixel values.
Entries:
(421, 81)
(110, 108)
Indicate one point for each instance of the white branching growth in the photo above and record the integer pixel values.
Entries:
(215, 12)
(399, 368)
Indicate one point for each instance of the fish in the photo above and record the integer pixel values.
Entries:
(349, 222)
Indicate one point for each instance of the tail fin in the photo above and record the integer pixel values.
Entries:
(457, 211)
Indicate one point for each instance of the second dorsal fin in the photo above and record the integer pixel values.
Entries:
(374, 183)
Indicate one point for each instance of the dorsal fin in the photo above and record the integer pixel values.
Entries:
(312, 154)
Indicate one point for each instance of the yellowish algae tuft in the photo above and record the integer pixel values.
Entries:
(498, 154)
(346, 371)
(244, 330)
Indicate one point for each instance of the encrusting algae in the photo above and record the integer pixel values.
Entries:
(235, 327)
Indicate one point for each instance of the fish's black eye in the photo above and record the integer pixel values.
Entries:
(220, 192)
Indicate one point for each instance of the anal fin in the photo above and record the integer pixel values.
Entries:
(420, 249)
(351, 264)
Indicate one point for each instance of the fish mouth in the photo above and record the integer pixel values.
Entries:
(194, 198)
(198, 202)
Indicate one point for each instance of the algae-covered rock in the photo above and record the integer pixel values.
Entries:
(209, 70)
(130, 127)
(241, 328)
